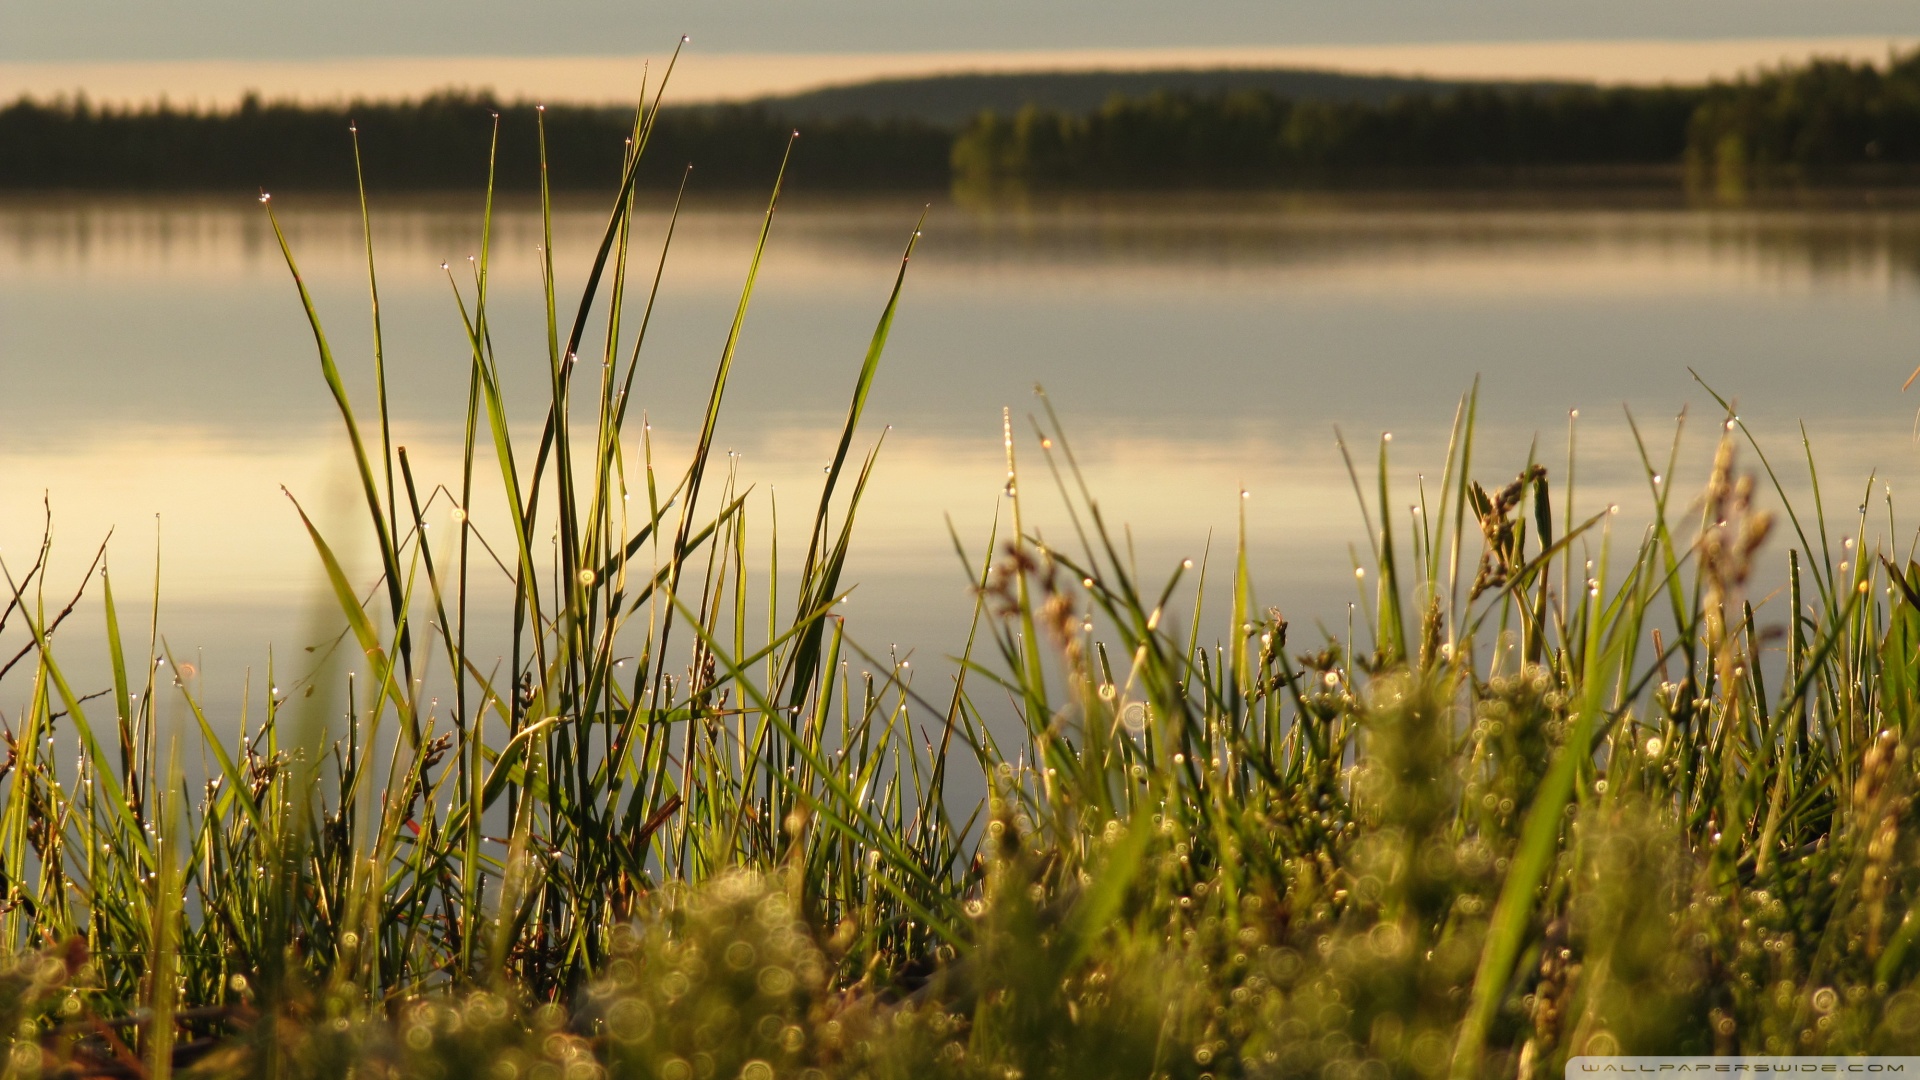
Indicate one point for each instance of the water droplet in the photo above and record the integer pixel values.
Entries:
(1046, 444)
(264, 197)
(1359, 572)
(1657, 478)
(1186, 564)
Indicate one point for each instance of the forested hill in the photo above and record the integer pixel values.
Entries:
(1822, 121)
(956, 99)
(1811, 123)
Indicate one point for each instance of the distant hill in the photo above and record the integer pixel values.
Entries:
(953, 100)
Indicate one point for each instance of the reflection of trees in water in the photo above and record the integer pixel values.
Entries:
(1818, 243)
(1239, 232)
(1827, 246)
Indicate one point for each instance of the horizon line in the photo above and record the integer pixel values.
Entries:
(724, 77)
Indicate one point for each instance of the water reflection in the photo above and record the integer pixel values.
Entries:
(155, 361)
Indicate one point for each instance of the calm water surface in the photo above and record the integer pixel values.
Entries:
(157, 377)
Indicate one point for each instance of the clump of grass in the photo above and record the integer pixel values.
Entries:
(1573, 791)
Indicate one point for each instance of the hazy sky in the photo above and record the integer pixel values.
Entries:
(112, 30)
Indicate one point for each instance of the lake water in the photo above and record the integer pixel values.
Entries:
(157, 377)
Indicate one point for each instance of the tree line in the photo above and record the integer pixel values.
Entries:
(441, 142)
(1820, 120)
(1255, 138)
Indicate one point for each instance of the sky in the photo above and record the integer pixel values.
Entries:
(68, 30)
(209, 47)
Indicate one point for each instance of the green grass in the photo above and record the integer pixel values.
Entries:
(1569, 790)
